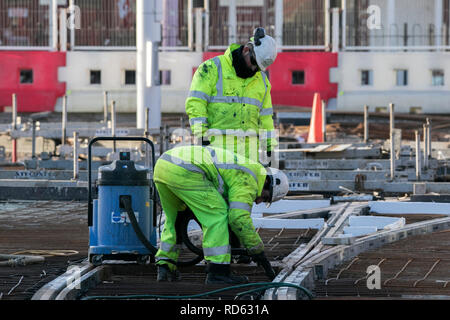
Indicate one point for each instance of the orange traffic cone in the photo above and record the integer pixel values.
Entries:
(315, 128)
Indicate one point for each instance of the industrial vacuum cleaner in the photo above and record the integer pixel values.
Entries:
(123, 218)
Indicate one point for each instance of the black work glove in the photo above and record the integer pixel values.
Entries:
(205, 143)
(262, 261)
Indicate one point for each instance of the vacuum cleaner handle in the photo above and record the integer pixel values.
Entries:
(90, 200)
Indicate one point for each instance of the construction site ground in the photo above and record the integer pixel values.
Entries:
(411, 268)
(47, 227)
(51, 226)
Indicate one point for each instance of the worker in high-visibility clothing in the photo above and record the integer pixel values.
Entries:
(219, 187)
(229, 103)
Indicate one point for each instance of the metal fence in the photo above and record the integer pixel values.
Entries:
(111, 24)
(248, 17)
(304, 23)
(106, 23)
(174, 24)
(400, 24)
(24, 24)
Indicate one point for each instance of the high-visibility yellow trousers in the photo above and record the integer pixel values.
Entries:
(210, 209)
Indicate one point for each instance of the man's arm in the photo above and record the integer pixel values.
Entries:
(241, 195)
(266, 126)
(202, 88)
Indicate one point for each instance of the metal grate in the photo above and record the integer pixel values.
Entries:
(416, 266)
(24, 23)
(106, 23)
(402, 23)
(304, 23)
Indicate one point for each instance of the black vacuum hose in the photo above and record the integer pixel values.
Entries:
(126, 203)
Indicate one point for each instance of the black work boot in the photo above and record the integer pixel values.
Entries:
(221, 274)
(164, 274)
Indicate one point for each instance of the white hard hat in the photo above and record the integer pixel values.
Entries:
(279, 184)
(265, 48)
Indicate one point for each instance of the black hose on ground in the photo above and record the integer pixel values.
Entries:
(181, 227)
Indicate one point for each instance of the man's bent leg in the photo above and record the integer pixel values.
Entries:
(168, 249)
(211, 210)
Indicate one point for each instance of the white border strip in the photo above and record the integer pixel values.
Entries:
(12, 48)
(264, 223)
(395, 207)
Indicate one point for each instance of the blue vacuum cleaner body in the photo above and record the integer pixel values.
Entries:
(122, 186)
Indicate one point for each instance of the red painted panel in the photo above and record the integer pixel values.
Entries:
(316, 66)
(42, 94)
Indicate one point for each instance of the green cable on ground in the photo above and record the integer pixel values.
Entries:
(266, 285)
(270, 286)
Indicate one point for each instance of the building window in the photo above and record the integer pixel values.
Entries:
(437, 77)
(415, 110)
(366, 77)
(381, 109)
(298, 77)
(96, 77)
(26, 76)
(165, 77)
(130, 77)
(402, 77)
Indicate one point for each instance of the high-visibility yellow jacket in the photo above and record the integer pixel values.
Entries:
(238, 180)
(219, 100)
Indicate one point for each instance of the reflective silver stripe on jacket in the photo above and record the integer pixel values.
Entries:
(219, 177)
(194, 168)
(231, 132)
(266, 112)
(217, 251)
(219, 84)
(225, 99)
(168, 247)
(182, 163)
(199, 95)
(237, 167)
(220, 98)
(227, 166)
(240, 205)
(264, 76)
(236, 99)
(270, 134)
(202, 120)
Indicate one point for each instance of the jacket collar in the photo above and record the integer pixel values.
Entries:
(228, 55)
(229, 58)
